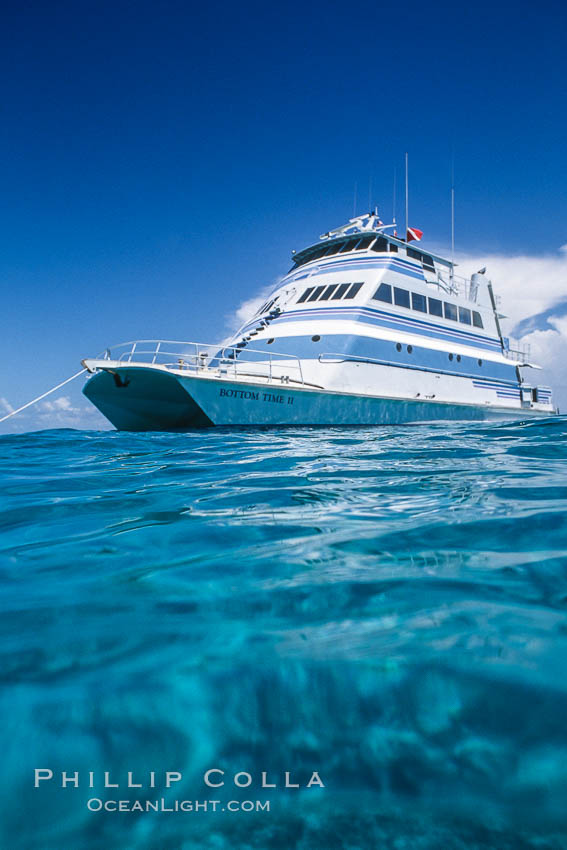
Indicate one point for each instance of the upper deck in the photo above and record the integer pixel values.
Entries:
(363, 273)
(342, 248)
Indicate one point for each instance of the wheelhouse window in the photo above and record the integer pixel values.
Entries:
(383, 293)
(419, 302)
(477, 319)
(334, 249)
(349, 245)
(305, 295)
(354, 290)
(340, 291)
(435, 306)
(401, 297)
(465, 316)
(316, 254)
(424, 259)
(450, 311)
(381, 245)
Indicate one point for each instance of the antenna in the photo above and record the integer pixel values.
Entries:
(407, 218)
(394, 199)
(354, 203)
(452, 216)
(370, 192)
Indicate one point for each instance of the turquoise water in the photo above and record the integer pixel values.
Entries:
(384, 606)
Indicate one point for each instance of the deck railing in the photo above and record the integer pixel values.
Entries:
(198, 357)
(516, 350)
(448, 283)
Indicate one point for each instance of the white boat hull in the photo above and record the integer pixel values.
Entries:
(140, 398)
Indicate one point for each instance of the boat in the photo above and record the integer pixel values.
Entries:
(366, 328)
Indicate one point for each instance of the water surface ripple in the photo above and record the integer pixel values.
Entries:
(387, 606)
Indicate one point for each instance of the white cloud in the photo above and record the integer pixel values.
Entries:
(5, 406)
(59, 404)
(65, 411)
(530, 286)
(548, 348)
(249, 308)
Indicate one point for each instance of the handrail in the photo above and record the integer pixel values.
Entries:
(205, 357)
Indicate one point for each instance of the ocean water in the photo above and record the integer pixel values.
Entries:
(386, 607)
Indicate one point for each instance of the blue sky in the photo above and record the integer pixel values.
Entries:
(160, 161)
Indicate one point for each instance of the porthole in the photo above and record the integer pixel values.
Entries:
(450, 356)
(315, 338)
(458, 358)
(410, 349)
(398, 346)
(480, 362)
(270, 341)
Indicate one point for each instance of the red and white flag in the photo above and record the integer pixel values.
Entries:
(414, 233)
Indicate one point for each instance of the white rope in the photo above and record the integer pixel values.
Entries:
(39, 398)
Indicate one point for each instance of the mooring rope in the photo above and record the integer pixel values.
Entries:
(39, 398)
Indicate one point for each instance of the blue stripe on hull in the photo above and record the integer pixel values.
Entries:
(357, 263)
(392, 321)
(386, 352)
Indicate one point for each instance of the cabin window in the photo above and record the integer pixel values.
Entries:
(317, 292)
(480, 362)
(364, 243)
(450, 311)
(381, 245)
(401, 297)
(398, 346)
(465, 316)
(340, 291)
(410, 349)
(270, 341)
(393, 248)
(305, 295)
(354, 290)
(428, 262)
(328, 292)
(477, 319)
(383, 293)
(415, 255)
(435, 306)
(450, 356)
(418, 302)
(349, 245)
(315, 338)
(534, 394)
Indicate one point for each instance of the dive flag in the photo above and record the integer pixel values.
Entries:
(414, 233)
